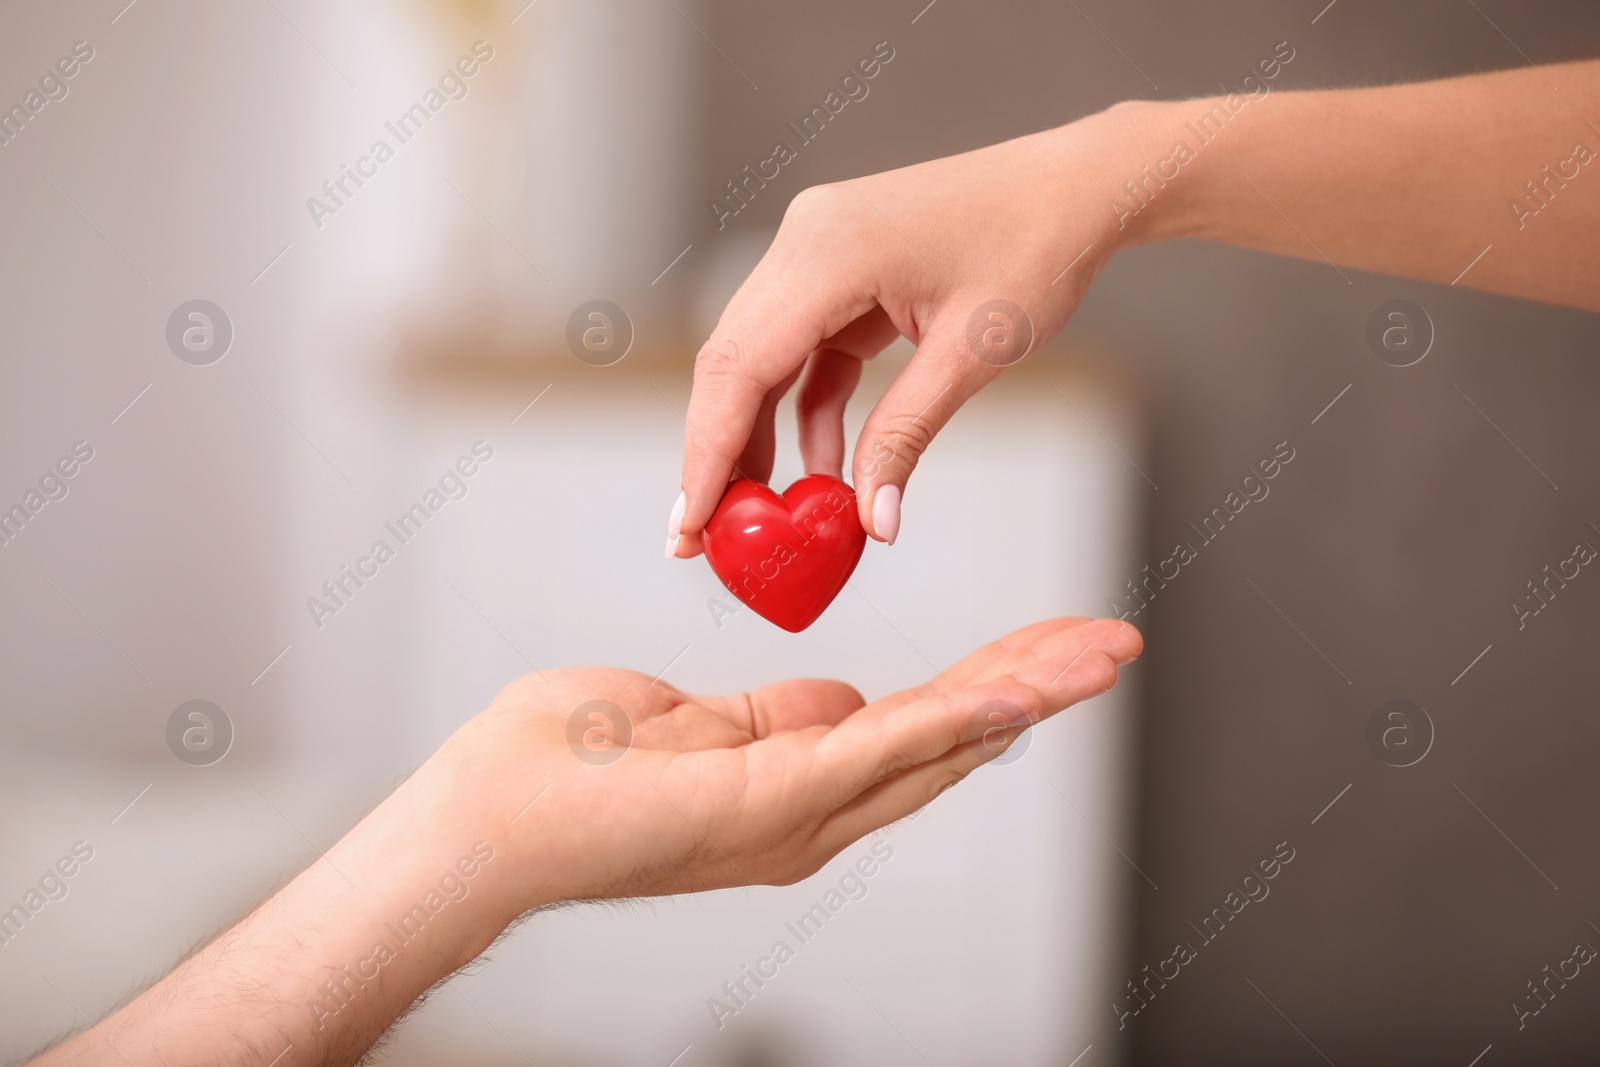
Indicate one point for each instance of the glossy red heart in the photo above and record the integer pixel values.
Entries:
(786, 556)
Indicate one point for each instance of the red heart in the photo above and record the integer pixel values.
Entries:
(786, 556)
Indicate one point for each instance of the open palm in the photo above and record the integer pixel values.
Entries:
(640, 789)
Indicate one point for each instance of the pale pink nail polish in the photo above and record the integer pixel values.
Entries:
(886, 513)
(672, 547)
(675, 520)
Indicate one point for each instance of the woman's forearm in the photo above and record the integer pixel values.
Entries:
(1416, 180)
(1489, 181)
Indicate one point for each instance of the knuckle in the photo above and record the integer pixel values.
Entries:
(960, 721)
(724, 370)
(822, 219)
(1100, 671)
(896, 764)
(524, 692)
(908, 433)
(869, 463)
(720, 357)
(812, 204)
(902, 438)
(942, 783)
(818, 395)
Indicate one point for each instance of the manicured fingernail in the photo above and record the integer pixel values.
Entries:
(675, 520)
(672, 547)
(886, 512)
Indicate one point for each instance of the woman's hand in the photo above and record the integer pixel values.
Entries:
(975, 258)
(1347, 177)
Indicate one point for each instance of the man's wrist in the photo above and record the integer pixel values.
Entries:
(429, 860)
(406, 898)
(402, 901)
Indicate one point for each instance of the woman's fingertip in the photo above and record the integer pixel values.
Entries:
(675, 518)
(886, 513)
(690, 545)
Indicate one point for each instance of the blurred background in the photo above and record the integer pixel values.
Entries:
(355, 341)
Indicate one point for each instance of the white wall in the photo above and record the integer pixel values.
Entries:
(220, 502)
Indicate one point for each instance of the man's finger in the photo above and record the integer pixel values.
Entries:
(894, 799)
(1118, 642)
(871, 746)
(976, 665)
(786, 706)
(996, 729)
(861, 752)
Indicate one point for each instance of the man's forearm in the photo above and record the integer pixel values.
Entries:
(1415, 180)
(318, 973)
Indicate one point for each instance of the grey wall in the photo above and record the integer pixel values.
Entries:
(1384, 560)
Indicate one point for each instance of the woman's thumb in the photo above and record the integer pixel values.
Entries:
(937, 381)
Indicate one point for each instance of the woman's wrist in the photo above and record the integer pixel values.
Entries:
(1176, 167)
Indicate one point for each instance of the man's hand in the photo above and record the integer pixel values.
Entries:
(758, 788)
(577, 785)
